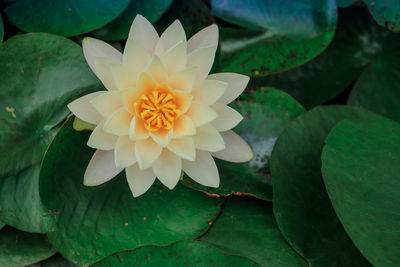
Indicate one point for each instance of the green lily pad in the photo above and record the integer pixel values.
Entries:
(47, 72)
(2, 225)
(63, 17)
(247, 227)
(345, 3)
(94, 222)
(266, 113)
(184, 253)
(386, 13)
(302, 207)
(20, 248)
(278, 35)
(118, 29)
(360, 166)
(194, 16)
(57, 261)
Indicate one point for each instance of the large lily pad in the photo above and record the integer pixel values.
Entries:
(301, 204)
(1, 29)
(47, 73)
(184, 253)
(386, 13)
(57, 261)
(360, 166)
(266, 113)
(94, 222)
(247, 228)
(118, 29)
(278, 35)
(63, 17)
(20, 248)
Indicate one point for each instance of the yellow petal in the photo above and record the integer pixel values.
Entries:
(183, 101)
(184, 148)
(203, 170)
(208, 91)
(106, 103)
(124, 152)
(146, 84)
(100, 139)
(137, 131)
(227, 117)
(143, 32)
(201, 114)
(183, 80)
(183, 127)
(147, 151)
(161, 137)
(208, 138)
(168, 168)
(118, 122)
(128, 98)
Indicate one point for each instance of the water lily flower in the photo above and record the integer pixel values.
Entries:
(162, 112)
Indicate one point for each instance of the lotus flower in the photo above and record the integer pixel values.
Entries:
(162, 112)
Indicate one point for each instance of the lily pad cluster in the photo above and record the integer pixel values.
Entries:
(321, 114)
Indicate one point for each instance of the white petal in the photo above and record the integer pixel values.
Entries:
(147, 151)
(209, 91)
(168, 168)
(124, 77)
(208, 138)
(237, 150)
(183, 127)
(203, 58)
(201, 114)
(124, 152)
(183, 80)
(106, 103)
(157, 70)
(135, 57)
(227, 117)
(118, 122)
(100, 139)
(203, 170)
(104, 71)
(137, 131)
(139, 181)
(184, 148)
(101, 168)
(206, 37)
(175, 58)
(93, 48)
(143, 32)
(82, 108)
(236, 85)
(170, 37)
(162, 137)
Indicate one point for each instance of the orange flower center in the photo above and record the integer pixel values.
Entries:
(158, 110)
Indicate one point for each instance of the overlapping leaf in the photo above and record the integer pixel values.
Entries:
(360, 167)
(63, 17)
(40, 74)
(94, 222)
(301, 204)
(277, 35)
(266, 113)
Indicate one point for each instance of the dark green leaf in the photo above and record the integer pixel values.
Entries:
(360, 166)
(118, 29)
(184, 253)
(247, 228)
(63, 17)
(266, 113)
(47, 73)
(345, 3)
(1, 29)
(278, 35)
(94, 222)
(386, 13)
(20, 248)
(57, 261)
(301, 204)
